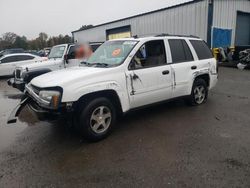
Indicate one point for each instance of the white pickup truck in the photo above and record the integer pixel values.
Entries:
(122, 75)
(60, 57)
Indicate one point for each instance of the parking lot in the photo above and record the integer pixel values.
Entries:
(168, 145)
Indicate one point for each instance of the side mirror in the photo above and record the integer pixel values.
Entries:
(132, 64)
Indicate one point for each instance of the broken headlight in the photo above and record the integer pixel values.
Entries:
(52, 97)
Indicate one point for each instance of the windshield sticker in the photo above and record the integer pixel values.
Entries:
(130, 42)
(116, 52)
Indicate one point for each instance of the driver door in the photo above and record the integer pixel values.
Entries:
(149, 76)
(71, 57)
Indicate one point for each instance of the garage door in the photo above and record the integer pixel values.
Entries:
(121, 32)
(243, 29)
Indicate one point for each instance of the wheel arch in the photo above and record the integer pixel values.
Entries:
(110, 94)
(200, 75)
(205, 77)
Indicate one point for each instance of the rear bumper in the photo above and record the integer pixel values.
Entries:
(213, 80)
(20, 85)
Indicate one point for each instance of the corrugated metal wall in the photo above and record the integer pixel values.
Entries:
(190, 19)
(225, 13)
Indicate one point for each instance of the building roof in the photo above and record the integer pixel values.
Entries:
(154, 11)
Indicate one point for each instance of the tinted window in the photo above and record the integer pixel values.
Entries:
(150, 54)
(201, 49)
(180, 51)
(187, 51)
(24, 57)
(9, 59)
(72, 52)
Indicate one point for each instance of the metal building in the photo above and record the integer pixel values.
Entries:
(219, 22)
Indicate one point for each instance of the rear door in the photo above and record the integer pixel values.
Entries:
(183, 64)
(149, 75)
(206, 62)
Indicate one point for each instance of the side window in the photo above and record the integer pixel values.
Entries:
(150, 54)
(180, 51)
(201, 49)
(24, 57)
(72, 52)
(9, 59)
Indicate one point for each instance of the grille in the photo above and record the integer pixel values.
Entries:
(18, 73)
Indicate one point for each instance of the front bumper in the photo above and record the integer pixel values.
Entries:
(18, 84)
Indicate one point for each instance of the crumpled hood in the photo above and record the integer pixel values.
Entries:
(39, 64)
(67, 76)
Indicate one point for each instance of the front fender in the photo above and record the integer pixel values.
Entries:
(74, 94)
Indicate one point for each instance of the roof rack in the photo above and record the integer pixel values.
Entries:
(170, 35)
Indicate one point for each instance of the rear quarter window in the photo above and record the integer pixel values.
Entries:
(201, 49)
(180, 51)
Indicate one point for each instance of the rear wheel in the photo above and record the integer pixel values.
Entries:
(97, 119)
(199, 92)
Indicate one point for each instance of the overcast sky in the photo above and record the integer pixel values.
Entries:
(54, 17)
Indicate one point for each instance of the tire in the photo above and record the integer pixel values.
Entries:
(199, 92)
(96, 119)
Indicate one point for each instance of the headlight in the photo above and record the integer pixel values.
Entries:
(53, 97)
(18, 73)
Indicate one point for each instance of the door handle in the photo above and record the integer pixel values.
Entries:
(194, 67)
(165, 72)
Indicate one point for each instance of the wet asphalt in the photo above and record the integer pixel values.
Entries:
(168, 145)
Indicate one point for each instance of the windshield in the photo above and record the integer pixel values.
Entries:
(111, 53)
(57, 52)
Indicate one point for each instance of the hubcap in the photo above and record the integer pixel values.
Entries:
(199, 94)
(100, 119)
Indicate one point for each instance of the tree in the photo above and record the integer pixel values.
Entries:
(20, 42)
(11, 40)
(9, 37)
(43, 36)
(86, 27)
(7, 40)
(42, 40)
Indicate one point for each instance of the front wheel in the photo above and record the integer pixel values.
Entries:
(199, 93)
(97, 119)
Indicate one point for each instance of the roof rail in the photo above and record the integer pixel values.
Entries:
(170, 35)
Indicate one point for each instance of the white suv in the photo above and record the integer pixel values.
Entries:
(125, 74)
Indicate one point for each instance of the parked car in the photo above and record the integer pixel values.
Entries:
(60, 57)
(44, 52)
(11, 51)
(9, 62)
(122, 75)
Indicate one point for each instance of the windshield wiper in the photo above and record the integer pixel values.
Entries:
(100, 64)
(95, 64)
(84, 63)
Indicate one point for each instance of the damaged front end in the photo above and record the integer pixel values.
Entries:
(41, 101)
(16, 111)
